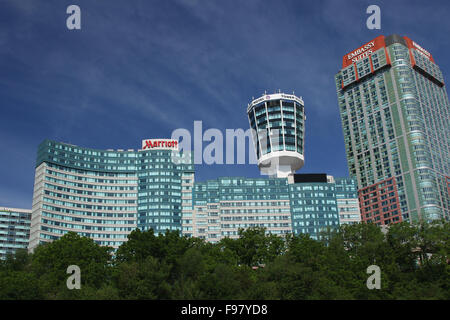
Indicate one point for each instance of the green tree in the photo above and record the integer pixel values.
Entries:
(145, 279)
(50, 261)
(254, 247)
(19, 285)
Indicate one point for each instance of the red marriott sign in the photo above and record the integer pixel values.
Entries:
(161, 144)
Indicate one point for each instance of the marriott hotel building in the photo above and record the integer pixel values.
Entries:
(105, 194)
(395, 117)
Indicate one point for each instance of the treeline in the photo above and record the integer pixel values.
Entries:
(414, 263)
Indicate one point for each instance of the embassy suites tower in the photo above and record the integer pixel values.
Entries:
(395, 117)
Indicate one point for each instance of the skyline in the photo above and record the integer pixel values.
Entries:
(184, 67)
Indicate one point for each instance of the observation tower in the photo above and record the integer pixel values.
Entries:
(278, 125)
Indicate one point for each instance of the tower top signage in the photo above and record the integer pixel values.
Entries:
(413, 45)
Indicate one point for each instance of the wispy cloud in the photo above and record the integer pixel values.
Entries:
(141, 69)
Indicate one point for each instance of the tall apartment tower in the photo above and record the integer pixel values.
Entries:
(395, 117)
(278, 125)
(14, 230)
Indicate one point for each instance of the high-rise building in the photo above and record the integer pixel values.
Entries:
(347, 200)
(224, 205)
(14, 230)
(301, 203)
(165, 178)
(395, 117)
(379, 203)
(313, 204)
(277, 122)
(105, 194)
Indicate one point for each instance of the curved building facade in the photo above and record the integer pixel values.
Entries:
(105, 194)
(277, 122)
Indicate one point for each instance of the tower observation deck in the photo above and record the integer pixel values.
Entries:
(277, 122)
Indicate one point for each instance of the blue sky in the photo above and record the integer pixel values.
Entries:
(141, 69)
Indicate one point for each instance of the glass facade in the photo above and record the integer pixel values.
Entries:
(347, 200)
(223, 206)
(282, 206)
(277, 122)
(395, 117)
(313, 207)
(14, 230)
(160, 189)
(285, 115)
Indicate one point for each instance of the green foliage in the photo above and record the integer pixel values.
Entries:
(145, 279)
(414, 263)
(254, 247)
(50, 261)
(19, 285)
